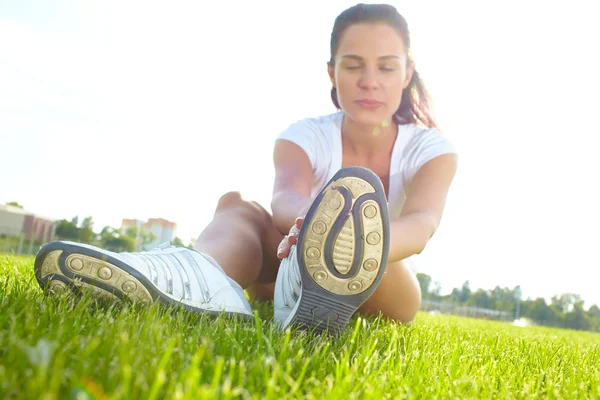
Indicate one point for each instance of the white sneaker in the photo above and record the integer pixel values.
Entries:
(341, 254)
(176, 276)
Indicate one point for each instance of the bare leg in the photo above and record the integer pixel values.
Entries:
(243, 240)
(262, 291)
(398, 296)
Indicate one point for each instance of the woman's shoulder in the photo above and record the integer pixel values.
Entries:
(425, 144)
(322, 123)
(423, 136)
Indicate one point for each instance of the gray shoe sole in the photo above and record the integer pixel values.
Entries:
(65, 267)
(343, 249)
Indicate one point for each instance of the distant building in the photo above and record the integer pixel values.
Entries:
(131, 223)
(163, 230)
(15, 221)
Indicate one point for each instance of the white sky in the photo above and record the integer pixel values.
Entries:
(129, 109)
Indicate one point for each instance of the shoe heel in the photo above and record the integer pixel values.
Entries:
(322, 313)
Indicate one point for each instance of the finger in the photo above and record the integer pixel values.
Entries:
(292, 240)
(283, 248)
(294, 231)
(298, 223)
(283, 252)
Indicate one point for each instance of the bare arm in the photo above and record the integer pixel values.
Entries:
(422, 212)
(292, 188)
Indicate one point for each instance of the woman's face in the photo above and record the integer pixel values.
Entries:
(371, 70)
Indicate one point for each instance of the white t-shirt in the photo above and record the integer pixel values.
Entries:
(321, 139)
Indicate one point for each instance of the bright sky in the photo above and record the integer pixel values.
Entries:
(138, 109)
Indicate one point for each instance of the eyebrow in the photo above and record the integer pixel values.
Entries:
(356, 57)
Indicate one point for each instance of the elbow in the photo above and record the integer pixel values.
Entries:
(276, 204)
(278, 211)
(430, 223)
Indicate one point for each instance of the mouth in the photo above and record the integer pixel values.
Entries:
(369, 104)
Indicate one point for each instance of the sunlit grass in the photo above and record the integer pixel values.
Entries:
(56, 348)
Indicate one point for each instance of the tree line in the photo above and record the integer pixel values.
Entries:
(109, 238)
(563, 311)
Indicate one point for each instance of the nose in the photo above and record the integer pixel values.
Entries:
(368, 79)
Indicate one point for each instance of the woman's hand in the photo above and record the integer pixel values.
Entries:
(290, 239)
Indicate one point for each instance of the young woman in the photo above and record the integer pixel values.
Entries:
(356, 193)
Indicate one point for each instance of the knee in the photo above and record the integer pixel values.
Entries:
(229, 199)
(405, 313)
(396, 305)
(249, 210)
(261, 291)
(407, 306)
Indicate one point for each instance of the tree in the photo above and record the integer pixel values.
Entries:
(424, 282)
(594, 312)
(504, 298)
(108, 233)
(465, 292)
(147, 237)
(594, 317)
(86, 233)
(455, 295)
(67, 230)
(71, 230)
(132, 232)
(544, 314)
(121, 244)
(461, 295)
(577, 318)
(565, 301)
(538, 311)
(14, 204)
(480, 298)
(565, 310)
(87, 223)
(436, 292)
(141, 237)
(113, 240)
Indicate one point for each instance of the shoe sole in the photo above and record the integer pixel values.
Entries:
(68, 268)
(343, 248)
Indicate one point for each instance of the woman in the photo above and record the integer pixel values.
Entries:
(362, 189)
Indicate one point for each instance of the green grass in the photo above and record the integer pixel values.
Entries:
(54, 348)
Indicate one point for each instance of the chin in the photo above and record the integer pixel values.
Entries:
(368, 117)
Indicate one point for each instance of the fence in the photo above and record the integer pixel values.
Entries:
(465, 311)
(18, 242)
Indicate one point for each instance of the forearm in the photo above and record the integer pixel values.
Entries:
(286, 207)
(409, 235)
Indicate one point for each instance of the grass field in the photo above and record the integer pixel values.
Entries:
(56, 348)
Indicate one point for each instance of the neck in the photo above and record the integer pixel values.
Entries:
(368, 140)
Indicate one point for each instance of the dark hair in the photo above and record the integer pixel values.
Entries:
(415, 101)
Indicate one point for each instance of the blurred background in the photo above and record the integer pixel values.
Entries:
(122, 123)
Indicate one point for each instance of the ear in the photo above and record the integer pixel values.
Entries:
(409, 73)
(331, 72)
